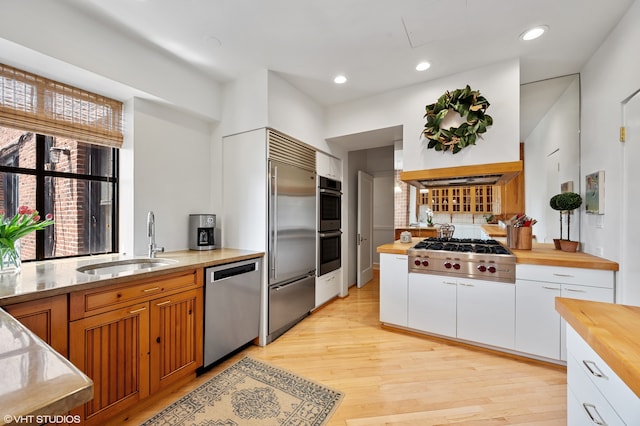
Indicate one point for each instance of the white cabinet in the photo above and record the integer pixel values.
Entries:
(328, 166)
(328, 286)
(595, 393)
(486, 312)
(393, 289)
(474, 310)
(433, 304)
(539, 328)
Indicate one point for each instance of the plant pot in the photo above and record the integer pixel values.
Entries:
(569, 246)
(556, 243)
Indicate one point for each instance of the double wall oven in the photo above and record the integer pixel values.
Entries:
(329, 224)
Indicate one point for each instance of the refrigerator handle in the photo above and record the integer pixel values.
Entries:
(274, 220)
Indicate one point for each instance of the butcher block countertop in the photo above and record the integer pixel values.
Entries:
(540, 254)
(611, 330)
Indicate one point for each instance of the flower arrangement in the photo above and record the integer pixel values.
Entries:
(12, 229)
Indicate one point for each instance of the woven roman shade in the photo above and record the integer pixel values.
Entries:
(37, 104)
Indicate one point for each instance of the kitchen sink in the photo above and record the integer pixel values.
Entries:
(123, 267)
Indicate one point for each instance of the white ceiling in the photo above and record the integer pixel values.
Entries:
(375, 43)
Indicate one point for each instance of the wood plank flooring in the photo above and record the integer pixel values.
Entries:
(396, 378)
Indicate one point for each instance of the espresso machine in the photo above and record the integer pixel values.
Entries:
(203, 234)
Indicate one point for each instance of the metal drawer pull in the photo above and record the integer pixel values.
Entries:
(163, 303)
(449, 282)
(575, 290)
(593, 369)
(135, 311)
(563, 275)
(596, 418)
(467, 285)
(146, 290)
(550, 288)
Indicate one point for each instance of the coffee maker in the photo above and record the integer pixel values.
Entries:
(203, 234)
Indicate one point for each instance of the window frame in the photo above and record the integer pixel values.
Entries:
(41, 174)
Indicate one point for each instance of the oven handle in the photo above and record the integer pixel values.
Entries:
(329, 191)
(329, 234)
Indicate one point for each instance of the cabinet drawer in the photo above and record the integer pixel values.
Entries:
(624, 401)
(90, 302)
(585, 404)
(565, 275)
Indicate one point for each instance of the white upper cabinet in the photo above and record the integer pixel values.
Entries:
(328, 166)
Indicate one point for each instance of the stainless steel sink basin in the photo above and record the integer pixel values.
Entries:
(123, 267)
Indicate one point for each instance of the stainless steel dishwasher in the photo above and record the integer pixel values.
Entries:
(231, 308)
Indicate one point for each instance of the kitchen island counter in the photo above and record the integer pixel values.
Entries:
(612, 332)
(34, 379)
(540, 254)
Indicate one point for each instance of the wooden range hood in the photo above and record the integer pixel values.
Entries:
(477, 174)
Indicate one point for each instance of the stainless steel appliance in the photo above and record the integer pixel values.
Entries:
(329, 204)
(463, 257)
(292, 245)
(231, 308)
(203, 234)
(329, 251)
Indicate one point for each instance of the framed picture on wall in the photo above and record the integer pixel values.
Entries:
(594, 193)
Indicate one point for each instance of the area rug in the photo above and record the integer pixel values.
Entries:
(249, 393)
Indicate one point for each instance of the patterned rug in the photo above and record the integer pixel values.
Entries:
(251, 392)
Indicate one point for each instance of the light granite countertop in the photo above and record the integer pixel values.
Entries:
(35, 380)
(52, 277)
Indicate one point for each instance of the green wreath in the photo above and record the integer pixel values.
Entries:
(471, 106)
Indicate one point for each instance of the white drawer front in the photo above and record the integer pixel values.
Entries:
(625, 402)
(559, 274)
(585, 404)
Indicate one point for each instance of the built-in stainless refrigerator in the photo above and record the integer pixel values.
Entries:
(292, 246)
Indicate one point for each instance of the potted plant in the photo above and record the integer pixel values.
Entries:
(568, 201)
(553, 202)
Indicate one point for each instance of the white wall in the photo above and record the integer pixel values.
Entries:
(95, 48)
(552, 153)
(170, 174)
(499, 83)
(610, 76)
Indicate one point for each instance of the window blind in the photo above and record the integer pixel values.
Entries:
(34, 103)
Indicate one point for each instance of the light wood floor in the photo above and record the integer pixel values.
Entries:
(396, 378)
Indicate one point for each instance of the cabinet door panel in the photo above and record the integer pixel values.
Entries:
(537, 322)
(393, 289)
(432, 304)
(486, 312)
(112, 349)
(46, 318)
(176, 339)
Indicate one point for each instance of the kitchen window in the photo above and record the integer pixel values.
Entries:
(59, 154)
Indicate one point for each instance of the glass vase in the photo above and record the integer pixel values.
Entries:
(10, 262)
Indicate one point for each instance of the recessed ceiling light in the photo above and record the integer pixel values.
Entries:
(423, 66)
(534, 33)
(340, 79)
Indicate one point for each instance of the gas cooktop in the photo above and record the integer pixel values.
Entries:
(469, 245)
(463, 257)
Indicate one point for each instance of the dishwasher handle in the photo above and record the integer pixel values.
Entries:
(233, 271)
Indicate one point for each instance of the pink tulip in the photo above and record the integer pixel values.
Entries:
(23, 210)
(36, 218)
(48, 216)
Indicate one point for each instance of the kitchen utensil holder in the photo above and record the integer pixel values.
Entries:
(519, 238)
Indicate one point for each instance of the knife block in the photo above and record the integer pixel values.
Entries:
(519, 238)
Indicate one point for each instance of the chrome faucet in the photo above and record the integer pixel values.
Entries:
(151, 233)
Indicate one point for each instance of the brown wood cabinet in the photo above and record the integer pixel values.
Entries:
(463, 199)
(133, 339)
(46, 318)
